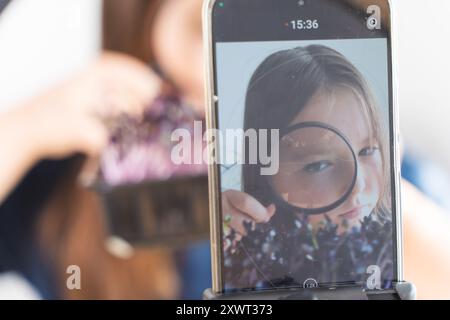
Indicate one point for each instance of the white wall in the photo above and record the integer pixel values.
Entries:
(42, 41)
(424, 69)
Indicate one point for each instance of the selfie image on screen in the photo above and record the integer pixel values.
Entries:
(318, 210)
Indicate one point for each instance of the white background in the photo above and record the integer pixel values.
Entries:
(43, 41)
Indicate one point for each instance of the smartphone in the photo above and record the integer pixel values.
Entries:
(302, 144)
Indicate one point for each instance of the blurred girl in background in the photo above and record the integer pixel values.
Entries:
(50, 222)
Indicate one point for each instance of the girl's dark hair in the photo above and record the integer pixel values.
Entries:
(127, 27)
(20, 213)
(283, 85)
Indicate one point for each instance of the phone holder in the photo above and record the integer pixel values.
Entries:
(402, 291)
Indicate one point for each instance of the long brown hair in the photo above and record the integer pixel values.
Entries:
(127, 26)
(296, 75)
(73, 229)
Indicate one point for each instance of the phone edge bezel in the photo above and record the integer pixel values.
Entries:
(211, 119)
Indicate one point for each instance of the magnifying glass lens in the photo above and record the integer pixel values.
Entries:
(317, 169)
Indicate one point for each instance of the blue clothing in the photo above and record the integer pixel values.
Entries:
(19, 213)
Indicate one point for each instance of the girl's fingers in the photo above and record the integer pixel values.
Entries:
(250, 206)
(233, 204)
(237, 222)
(137, 75)
(89, 172)
(92, 139)
(119, 84)
(233, 218)
(74, 116)
(271, 210)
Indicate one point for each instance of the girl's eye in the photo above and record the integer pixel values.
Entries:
(317, 167)
(367, 152)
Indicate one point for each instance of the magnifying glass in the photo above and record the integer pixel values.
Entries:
(317, 170)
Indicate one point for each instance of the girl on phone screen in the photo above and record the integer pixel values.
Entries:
(270, 245)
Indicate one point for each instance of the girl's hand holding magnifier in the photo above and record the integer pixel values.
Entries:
(70, 118)
(239, 207)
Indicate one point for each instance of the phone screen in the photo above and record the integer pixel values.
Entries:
(306, 144)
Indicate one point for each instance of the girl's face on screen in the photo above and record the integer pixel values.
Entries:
(343, 110)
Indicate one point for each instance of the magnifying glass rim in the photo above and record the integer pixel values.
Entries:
(280, 201)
